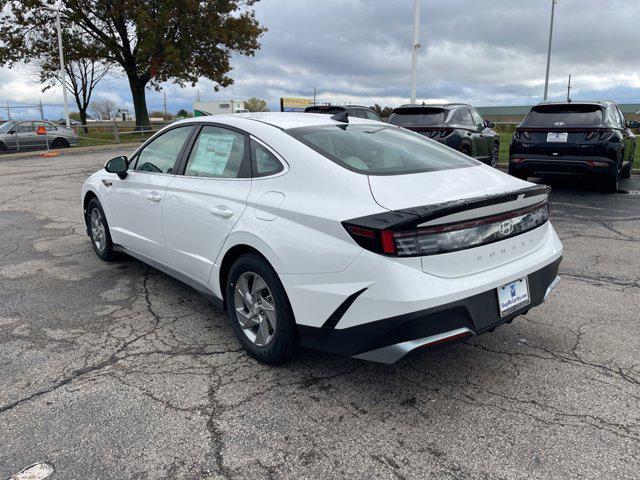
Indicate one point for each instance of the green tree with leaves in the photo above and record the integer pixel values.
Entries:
(256, 105)
(154, 41)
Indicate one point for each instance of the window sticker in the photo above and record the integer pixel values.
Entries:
(212, 154)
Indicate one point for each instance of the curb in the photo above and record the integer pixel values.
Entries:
(69, 151)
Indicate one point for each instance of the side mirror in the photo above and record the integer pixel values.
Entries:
(117, 165)
(489, 124)
(633, 124)
(11, 132)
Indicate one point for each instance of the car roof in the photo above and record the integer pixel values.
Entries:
(445, 106)
(281, 120)
(601, 103)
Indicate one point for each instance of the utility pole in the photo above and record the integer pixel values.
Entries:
(569, 89)
(416, 46)
(546, 79)
(314, 96)
(165, 104)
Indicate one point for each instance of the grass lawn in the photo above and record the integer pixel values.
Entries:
(104, 136)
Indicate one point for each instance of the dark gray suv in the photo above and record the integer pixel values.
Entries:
(457, 125)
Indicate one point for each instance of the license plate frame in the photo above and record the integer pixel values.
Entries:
(513, 296)
(557, 137)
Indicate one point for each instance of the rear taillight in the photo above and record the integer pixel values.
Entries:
(591, 135)
(522, 134)
(606, 135)
(449, 237)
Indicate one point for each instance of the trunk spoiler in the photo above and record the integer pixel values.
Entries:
(411, 217)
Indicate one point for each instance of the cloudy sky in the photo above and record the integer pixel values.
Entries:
(486, 52)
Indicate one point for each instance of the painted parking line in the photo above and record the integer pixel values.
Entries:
(39, 471)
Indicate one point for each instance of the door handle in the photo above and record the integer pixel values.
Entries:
(221, 211)
(107, 183)
(154, 196)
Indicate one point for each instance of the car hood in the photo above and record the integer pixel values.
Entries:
(397, 192)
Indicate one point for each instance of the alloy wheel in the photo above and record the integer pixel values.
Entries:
(495, 152)
(98, 233)
(255, 309)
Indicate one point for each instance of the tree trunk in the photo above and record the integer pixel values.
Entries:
(139, 103)
(83, 119)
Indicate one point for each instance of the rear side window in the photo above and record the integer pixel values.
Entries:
(375, 150)
(218, 152)
(417, 117)
(264, 162)
(564, 115)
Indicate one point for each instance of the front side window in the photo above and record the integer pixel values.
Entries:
(25, 127)
(477, 119)
(465, 117)
(161, 154)
(375, 150)
(217, 153)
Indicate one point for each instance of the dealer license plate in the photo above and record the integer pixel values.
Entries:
(557, 137)
(513, 296)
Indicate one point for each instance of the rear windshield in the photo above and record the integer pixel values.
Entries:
(564, 115)
(417, 117)
(375, 150)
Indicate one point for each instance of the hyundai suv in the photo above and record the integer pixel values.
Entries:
(457, 125)
(577, 138)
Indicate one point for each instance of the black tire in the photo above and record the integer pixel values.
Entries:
(465, 149)
(611, 181)
(495, 154)
(3, 147)
(284, 339)
(100, 237)
(60, 143)
(626, 171)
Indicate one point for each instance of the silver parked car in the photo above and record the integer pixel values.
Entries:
(35, 134)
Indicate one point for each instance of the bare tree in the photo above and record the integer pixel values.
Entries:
(82, 77)
(104, 109)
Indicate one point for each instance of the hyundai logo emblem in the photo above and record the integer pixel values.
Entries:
(558, 124)
(506, 228)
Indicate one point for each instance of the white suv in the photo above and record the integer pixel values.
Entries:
(345, 235)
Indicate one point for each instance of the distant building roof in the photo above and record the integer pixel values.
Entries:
(524, 109)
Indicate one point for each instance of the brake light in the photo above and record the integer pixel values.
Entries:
(446, 132)
(450, 237)
(522, 133)
(591, 135)
(606, 135)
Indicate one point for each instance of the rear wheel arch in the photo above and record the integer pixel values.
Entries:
(3, 147)
(229, 258)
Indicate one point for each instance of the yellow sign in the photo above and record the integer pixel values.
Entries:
(290, 104)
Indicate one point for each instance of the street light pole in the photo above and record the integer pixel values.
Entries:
(416, 46)
(63, 76)
(546, 80)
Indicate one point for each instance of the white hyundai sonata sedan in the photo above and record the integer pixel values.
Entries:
(340, 234)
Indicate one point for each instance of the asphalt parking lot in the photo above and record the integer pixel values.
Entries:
(117, 371)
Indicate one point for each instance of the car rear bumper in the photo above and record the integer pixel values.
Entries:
(561, 165)
(387, 340)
